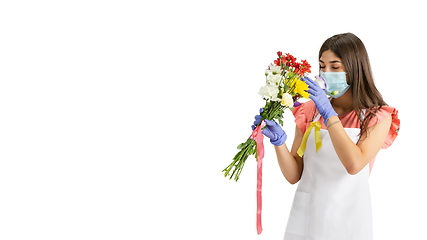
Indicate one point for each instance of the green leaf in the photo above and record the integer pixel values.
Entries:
(243, 145)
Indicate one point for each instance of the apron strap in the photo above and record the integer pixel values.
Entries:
(317, 118)
(362, 114)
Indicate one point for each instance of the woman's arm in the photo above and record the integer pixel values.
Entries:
(290, 163)
(355, 157)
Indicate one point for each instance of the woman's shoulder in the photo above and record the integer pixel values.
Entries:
(304, 108)
(303, 113)
(380, 114)
(383, 113)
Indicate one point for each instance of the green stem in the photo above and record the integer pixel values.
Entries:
(239, 161)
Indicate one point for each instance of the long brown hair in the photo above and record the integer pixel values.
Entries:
(354, 56)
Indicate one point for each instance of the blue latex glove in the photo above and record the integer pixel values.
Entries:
(318, 95)
(272, 130)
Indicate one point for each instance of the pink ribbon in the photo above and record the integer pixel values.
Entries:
(258, 137)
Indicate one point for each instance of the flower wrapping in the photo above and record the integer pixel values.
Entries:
(282, 90)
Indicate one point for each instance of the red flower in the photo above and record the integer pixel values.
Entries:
(297, 67)
(305, 66)
(283, 60)
(290, 58)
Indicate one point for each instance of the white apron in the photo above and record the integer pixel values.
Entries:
(329, 203)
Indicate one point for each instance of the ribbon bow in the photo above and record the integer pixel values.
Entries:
(317, 138)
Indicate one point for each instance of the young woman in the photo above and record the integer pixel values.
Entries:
(332, 200)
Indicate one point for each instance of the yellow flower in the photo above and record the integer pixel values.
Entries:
(300, 88)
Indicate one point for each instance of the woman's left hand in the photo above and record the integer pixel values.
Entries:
(272, 130)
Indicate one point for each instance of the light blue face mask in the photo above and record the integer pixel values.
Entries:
(336, 83)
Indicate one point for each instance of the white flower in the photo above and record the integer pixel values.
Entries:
(269, 91)
(274, 79)
(287, 100)
(320, 81)
(275, 69)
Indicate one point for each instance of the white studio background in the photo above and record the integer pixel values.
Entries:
(117, 117)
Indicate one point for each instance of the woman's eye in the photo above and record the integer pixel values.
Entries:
(335, 67)
(322, 67)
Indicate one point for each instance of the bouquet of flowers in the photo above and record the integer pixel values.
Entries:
(283, 89)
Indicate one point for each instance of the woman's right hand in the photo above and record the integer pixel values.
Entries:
(272, 130)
